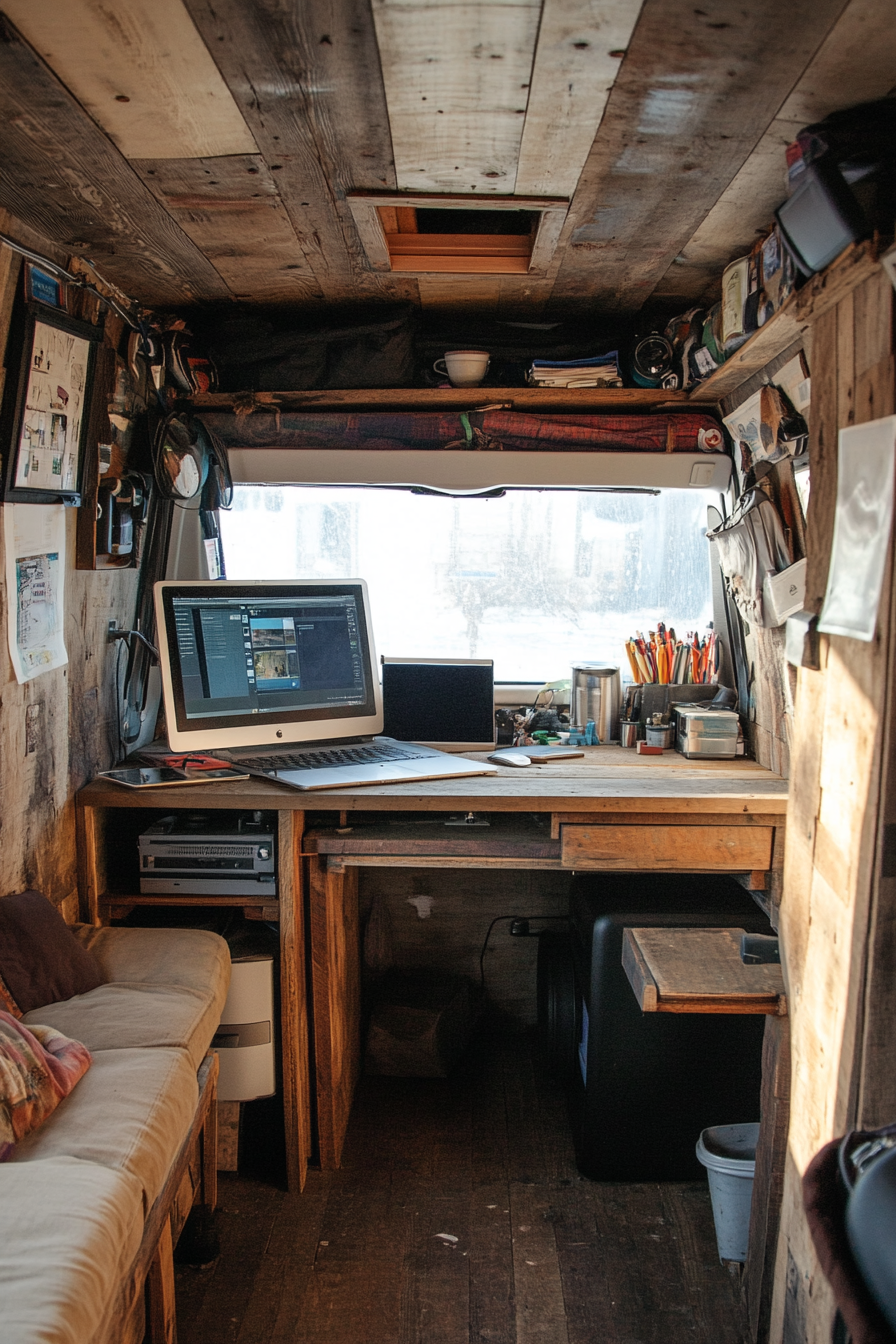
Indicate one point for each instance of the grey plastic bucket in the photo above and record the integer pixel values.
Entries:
(728, 1152)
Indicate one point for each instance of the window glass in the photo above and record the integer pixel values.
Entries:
(536, 579)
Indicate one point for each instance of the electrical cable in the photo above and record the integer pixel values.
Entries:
(135, 634)
(61, 273)
(497, 920)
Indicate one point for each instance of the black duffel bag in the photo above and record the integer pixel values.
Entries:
(375, 349)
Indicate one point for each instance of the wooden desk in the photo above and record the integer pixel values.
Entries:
(611, 810)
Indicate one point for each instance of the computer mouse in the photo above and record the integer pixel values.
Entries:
(509, 758)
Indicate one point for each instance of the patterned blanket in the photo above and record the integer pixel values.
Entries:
(38, 1067)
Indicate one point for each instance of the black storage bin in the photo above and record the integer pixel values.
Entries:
(652, 1081)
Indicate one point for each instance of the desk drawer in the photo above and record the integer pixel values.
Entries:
(731, 849)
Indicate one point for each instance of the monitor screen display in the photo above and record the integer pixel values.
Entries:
(246, 664)
(450, 705)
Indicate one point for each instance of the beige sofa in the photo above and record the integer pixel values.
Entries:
(91, 1203)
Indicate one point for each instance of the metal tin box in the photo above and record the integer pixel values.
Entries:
(706, 733)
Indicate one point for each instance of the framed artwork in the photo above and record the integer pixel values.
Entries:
(45, 409)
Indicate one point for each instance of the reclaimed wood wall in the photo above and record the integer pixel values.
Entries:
(838, 904)
(59, 729)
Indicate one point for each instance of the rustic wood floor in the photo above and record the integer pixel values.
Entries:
(458, 1216)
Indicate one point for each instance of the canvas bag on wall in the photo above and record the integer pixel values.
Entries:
(750, 545)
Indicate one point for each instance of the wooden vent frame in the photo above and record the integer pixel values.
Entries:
(457, 253)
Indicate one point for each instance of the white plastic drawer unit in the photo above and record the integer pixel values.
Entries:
(245, 1039)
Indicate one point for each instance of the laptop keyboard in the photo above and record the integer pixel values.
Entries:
(332, 756)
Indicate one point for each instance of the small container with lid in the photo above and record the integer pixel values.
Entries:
(596, 693)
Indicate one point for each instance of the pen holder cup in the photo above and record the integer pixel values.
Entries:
(659, 735)
(628, 732)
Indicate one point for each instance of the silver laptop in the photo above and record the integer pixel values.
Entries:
(279, 678)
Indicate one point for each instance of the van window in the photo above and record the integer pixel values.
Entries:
(535, 579)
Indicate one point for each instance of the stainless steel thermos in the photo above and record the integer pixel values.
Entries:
(596, 694)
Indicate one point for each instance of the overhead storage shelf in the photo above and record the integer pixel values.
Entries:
(788, 325)
(580, 401)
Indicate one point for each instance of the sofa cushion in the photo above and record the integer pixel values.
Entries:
(38, 1067)
(41, 961)
(131, 1111)
(69, 1231)
(137, 1016)
(190, 958)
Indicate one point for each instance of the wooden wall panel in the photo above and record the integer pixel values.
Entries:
(58, 730)
(580, 50)
(457, 79)
(694, 96)
(831, 867)
(142, 73)
(854, 64)
(307, 80)
(63, 177)
(231, 209)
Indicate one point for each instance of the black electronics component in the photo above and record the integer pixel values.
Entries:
(642, 1086)
(207, 855)
(444, 704)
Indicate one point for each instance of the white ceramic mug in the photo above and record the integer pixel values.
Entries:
(465, 368)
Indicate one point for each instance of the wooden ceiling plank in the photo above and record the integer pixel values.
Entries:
(695, 94)
(458, 293)
(572, 76)
(307, 80)
(142, 72)
(231, 209)
(64, 178)
(547, 236)
(457, 76)
(855, 64)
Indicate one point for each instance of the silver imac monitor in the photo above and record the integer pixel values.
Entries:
(266, 664)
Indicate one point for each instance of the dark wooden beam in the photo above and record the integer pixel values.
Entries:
(697, 90)
(307, 80)
(64, 178)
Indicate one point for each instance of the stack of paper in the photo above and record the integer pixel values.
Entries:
(596, 371)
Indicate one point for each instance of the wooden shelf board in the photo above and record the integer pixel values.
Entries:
(856, 265)
(574, 400)
(698, 971)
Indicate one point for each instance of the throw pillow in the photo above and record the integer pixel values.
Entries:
(38, 1067)
(41, 960)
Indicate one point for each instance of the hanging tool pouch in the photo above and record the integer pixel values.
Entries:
(750, 544)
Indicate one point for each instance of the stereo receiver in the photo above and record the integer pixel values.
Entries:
(209, 855)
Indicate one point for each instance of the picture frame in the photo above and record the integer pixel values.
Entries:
(46, 407)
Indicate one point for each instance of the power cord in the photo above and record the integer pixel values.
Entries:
(519, 927)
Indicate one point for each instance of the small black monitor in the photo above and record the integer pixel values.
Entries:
(821, 218)
(450, 705)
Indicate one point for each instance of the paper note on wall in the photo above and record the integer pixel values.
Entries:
(35, 583)
(865, 463)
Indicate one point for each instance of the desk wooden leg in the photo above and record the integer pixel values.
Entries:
(89, 825)
(293, 1001)
(336, 993)
(768, 1184)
